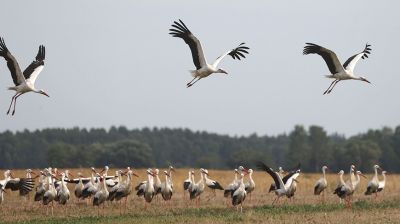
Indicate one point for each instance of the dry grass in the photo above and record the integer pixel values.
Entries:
(305, 208)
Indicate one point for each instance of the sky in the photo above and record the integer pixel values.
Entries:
(111, 63)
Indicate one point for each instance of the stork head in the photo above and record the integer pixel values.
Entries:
(166, 173)
(361, 174)
(341, 172)
(324, 168)
(364, 79)
(172, 168)
(377, 167)
(156, 171)
(221, 71)
(43, 93)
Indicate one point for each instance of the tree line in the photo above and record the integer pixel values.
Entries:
(160, 147)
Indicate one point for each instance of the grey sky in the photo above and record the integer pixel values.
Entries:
(113, 63)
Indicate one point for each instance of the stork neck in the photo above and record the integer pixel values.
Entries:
(323, 173)
(341, 179)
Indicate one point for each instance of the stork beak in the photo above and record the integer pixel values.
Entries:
(135, 174)
(173, 169)
(45, 94)
(363, 175)
(295, 180)
(101, 172)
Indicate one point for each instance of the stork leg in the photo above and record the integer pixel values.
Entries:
(12, 100)
(191, 84)
(15, 103)
(333, 86)
(326, 91)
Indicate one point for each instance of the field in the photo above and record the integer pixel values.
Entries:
(305, 208)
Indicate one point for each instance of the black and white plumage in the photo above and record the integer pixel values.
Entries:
(282, 188)
(382, 183)
(188, 181)
(197, 188)
(14, 184)
(212, 184)
(24, 81)
(373, 185)
(102, 194)
(230, 189)
(239, 195)
(250, 185)
(338, 71)
(321, 184)
(166, 187)
(203, 69)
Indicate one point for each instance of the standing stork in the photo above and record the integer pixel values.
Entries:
(212, 184)
(382, 183)
(230, 189)
(373, 185)
(338, 72)
(102, 194)
(344, 189)
(203, 69)
(282, 188)
(240, 194)
(321, 184)
(198, 188)
(24, 81)
(251, 185)
(166, 187)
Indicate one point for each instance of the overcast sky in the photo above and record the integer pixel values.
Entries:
(114, 63)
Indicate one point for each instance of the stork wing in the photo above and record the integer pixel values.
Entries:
(237, 53)
(329, 56)
(25, 184)
(289, 175)
(180, 30)
(271, 172)
(352, 61)
(12, 63)
(291, 178)
(34, 69)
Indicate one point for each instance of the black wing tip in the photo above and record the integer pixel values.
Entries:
(239, 52)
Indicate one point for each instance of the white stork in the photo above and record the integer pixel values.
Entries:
(338, 72)
(203, 69)
(146, 188)
(344, 190)
(373, 185)
(212, 184)
(125, 188)
(24, 81)
(113, 190)
(251, 185)
(166, 187)
(282, 188)
(321, 184)
(15, 184)
(382, 183)
(198, 188)
(239, 195)
(41, 188)
(63, 194)
(102, 194)
(51, 192)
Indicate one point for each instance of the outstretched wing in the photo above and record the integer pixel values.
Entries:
(34, 69)
(12, 63)
(180, 30)
(272, 173)
(352, 61)
(237, 53)
(329, 56)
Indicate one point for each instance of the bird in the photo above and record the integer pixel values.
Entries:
(157, 183)
(125, 188)
(90, 188)
(198, 188)
(41, 188)
(24, 81)
(29, 173)
(338, 72)
(212, 184)
(344, 189)
(188, 181)
(113, 190)
(146, 189)
(63, 194)
(166, 188)
(102, 194)
(251, 185)
(373, 184)
(321, 184)
(171, 169)
(282, 188)
(50, 193)
(240, 194)
(15, 184)
(272, 186)
(203, 69)
(382, 183)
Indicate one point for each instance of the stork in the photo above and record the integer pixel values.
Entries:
(198, 188)
(212, 184)
(166, 187)
(171, 169)
(125, 188)
(373, 185)
(187, 182)
(146, 188)
(24, 81)
(321, 184)
(102, 194)
(251, 185)
(63, 194)
(157, 183)
(41, 188)
(28, 175)
(203, 69)
(282, 188)
(15, 184)
(240, 194)
(50, 193)
(338, 72)
(90, 188)
(382, 183)
(113, 190)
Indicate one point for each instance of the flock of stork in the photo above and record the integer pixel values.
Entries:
(101, 187)
(25, 81)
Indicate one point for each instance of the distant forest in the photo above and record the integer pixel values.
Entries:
(160, 147)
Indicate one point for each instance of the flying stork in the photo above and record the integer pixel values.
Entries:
(203, 69)
(24, 81)
(338, 71)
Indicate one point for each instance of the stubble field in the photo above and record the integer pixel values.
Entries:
(305, 208)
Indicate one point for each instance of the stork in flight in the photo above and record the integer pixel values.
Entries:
(24, 81)
(203, 69)
(338, 71)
